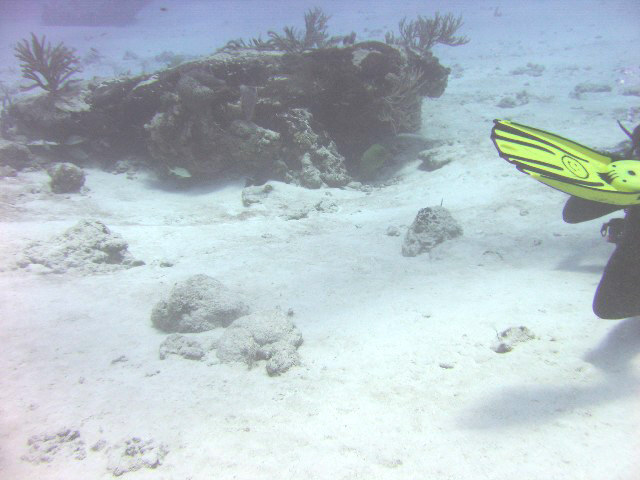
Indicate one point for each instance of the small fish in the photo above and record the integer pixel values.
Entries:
(180, 172)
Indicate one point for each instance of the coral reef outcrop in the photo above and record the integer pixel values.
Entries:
(303, 117)
(301, 107)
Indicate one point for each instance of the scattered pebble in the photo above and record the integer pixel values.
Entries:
(134, 454)
(393, 231)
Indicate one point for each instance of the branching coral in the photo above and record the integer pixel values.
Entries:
(315, 35)
(292, 41)
(49, 67)
(316, 23)
(254, 43)
(423, 33)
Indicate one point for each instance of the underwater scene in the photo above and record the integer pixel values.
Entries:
(296, 239)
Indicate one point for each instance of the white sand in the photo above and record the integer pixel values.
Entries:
(370, 400)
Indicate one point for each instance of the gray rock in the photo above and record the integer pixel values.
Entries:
(269, 335)
(198, 304)
(393, 231)
(88, 246)
(432, 226)
(14, 155)
(66, 178)
(255, 194)
(176, 344)
(632, 91)
(510, 337)
(521, 98)
(432, 160)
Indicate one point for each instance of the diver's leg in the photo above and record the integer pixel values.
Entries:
(578, 210)
(618, 294)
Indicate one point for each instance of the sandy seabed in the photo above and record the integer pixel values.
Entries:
(397, 379)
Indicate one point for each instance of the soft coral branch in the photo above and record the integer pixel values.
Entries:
(49, 67)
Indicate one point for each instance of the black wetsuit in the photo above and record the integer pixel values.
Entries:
(618, 294)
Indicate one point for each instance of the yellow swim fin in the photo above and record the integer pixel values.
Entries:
(566, 165)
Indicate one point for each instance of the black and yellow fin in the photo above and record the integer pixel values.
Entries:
(565, 165)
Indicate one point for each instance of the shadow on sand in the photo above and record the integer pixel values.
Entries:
(538, 404)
